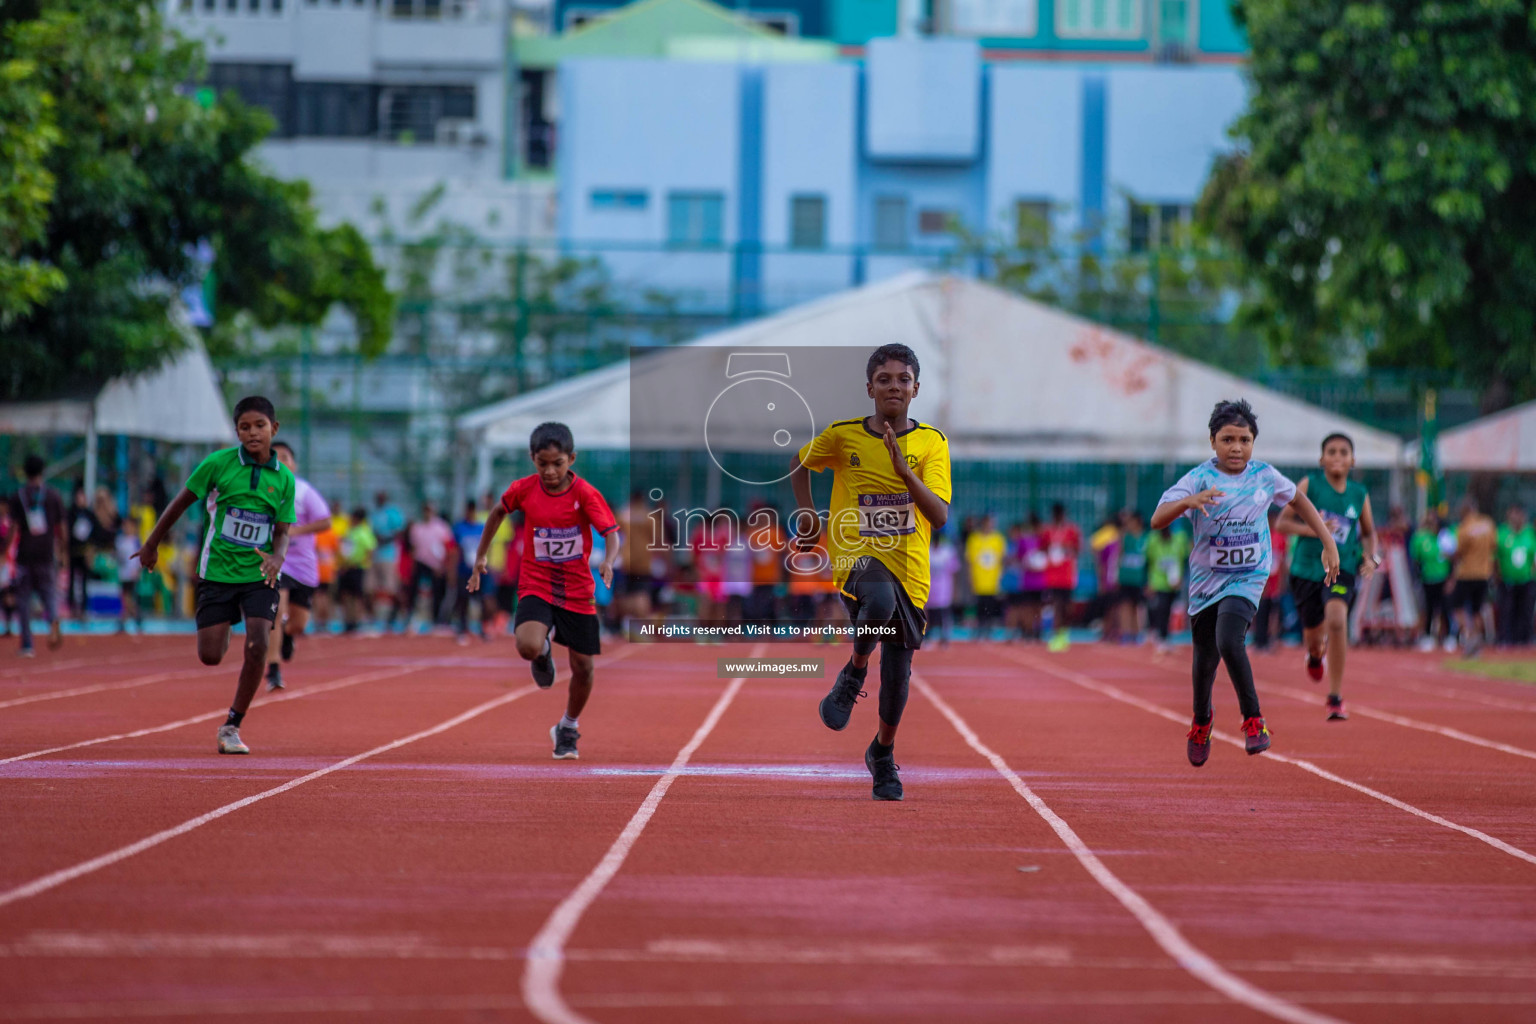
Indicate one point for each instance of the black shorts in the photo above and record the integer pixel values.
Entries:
(299, 595)
(988, 607)
(580, 631)
(626, 584)
(1131, 594)
(1059, 594)
(911, 621)
(1471, 595)
(1031, 598)
(352, 581)
(1312, 597)
(226, 603)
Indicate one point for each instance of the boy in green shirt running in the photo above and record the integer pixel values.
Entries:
(250, 496)
(1131, 576)
(1167, 551)
(1517, 559)
(1428, 553)
(1345, 508)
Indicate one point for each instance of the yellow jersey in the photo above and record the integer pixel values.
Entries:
(984, 553)
(872, 513)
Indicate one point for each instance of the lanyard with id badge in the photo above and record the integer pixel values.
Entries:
(557, 543)
(37, 514)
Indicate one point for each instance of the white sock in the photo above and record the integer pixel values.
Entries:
(567, 722)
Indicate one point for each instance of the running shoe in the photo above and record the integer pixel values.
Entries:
(565, 742)
(1427, 644)
(1336, 712)
(837, 705)
(287, 646)
(26, 652)
(544, 670)
(229, 740)
(883, 769)
(1060, 641)
(1257, 735)
(274, 677)
(1199, 743)
(1314, 668)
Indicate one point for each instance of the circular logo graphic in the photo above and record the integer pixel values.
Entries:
(754, 418)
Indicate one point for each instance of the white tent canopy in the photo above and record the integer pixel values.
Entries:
(179, 402)
(1004, 377)
(1503, 442)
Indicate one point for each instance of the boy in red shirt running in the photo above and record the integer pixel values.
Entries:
(555, 586)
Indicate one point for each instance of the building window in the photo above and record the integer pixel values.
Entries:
(1165, 225)
(1032, 223)
(414, 113)
(1007, 19)
(337, 110)
(268, 86)
(808, 222)
(1099, 19)
(785, 23)
(695, 219)
(891, 222)
(426, 10)
(618, 199)
(935, 222)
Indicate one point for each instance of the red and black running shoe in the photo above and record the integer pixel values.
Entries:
(1336, 712)
(1199, 743)
(1256, 735)
(1314, 668)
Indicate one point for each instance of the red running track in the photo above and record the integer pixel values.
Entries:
(400, 846)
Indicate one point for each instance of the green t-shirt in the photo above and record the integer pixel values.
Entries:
(1425, 551)
(358, 545)
(1341, 512)
(1166, 560)
(1133, 560)
(1517, 552)
(248, 499)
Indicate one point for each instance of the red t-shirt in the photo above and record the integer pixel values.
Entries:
(557, 540)
(1061, 544)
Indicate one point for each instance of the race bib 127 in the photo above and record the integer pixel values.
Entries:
(557, 543)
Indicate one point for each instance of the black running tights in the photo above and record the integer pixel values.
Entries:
(1219, 632)
(877, 607)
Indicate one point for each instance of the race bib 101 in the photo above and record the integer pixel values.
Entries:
(245, 528)
(1236, 553)
(886, 515)
(557, 543)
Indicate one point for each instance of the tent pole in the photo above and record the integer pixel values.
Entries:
(482, 465)
(90, 451)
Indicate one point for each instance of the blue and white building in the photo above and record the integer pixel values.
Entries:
(753, 186)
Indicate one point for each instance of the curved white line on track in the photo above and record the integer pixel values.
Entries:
(337, 684)
(58, 878)
(1163, 931)
(546, 953)
(1089, 683)
(39, 668)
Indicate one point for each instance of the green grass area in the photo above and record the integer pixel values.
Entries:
(1514, 671)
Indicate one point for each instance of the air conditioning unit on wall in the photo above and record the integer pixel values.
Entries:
(454, 131)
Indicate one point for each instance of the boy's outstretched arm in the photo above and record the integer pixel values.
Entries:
(487, 535)
(149, 553)
(1308, 513)
(1290, 522)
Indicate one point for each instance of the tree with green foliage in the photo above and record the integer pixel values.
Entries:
(116, 174)
(1384, 195)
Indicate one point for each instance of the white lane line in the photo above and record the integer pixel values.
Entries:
(1448, 693)
(22, 674)
(365, 677)
(58, 878)
(546, 953)
(1407, 723)
(208, 671)
(1114, 692)
(1163, 931)
(122, 684)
